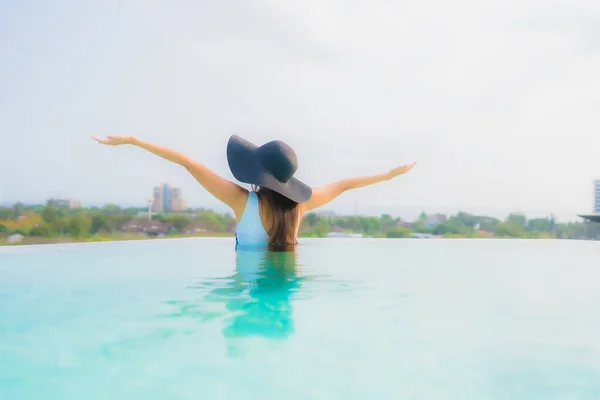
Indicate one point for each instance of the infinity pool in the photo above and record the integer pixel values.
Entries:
(339, 319)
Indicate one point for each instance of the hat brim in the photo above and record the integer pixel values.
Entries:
(245, 166)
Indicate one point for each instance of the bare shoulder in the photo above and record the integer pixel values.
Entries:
(303, 210)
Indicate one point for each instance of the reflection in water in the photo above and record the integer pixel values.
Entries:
(253, 302)
(256, 298)
(270, 279)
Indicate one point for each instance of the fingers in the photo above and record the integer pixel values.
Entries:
(101, 141)
(408, 167)
(402, 169)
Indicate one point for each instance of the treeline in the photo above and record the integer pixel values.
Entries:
(463, 224)
(51, 221)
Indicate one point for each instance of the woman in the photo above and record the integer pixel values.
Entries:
(269, 214)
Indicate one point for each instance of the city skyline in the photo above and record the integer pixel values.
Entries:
(166, 197)
(175, 203)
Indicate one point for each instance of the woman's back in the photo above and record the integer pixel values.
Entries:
(268, 219)
(250, 230)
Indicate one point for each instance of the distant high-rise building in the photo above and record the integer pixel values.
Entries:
(179, 205)
(167, 198)
(69, 203)
(157, 203)
(176, 203)
(175, 200)
(597, 196)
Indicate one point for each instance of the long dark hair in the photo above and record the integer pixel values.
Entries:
(285, 213)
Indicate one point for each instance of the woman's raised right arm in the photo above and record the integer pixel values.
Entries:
(228, 192)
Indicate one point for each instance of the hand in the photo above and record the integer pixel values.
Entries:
(401, 170)
(115, 140)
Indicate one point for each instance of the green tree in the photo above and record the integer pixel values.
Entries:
(111, 209)
(442, 228)
(399, 232)
(508, 229)
(160, 218)
(79, 226)
(466, 219)
(419, 227)
(50, 213)
(369, 225)
(98, 223)
(116, 221)
(488, 223)
(133, 211)
(41, 230)
(60, 226)
(5, 213)
(321, 229)
(18, 210)
(386, 222)
(180, 222)
(212, 222)
(552, 222)
(517, 219)
(539, 225)
(311, 219)
(452, 226)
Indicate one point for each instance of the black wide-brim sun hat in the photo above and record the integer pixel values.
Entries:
(271, 165)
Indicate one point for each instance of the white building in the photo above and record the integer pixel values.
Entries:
(64, 202)
(597, 196)
(16, 238)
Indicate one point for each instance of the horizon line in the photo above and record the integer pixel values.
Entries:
(577, 215)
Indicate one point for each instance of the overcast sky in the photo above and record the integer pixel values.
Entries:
(498, 101)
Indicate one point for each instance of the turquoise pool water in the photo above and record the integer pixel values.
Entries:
(340, 319)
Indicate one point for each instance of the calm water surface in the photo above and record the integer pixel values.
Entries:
(340, 319)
